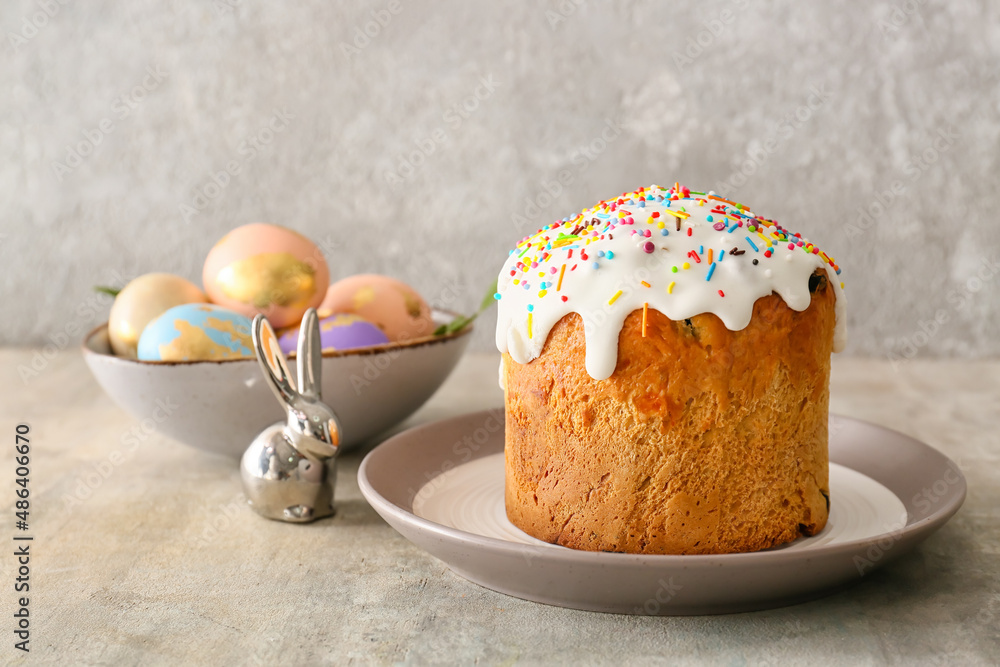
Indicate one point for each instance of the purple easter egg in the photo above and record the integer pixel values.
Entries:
(340, 331)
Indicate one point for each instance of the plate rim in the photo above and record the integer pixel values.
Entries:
(914, 528)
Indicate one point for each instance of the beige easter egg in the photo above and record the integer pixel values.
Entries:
(141, 301)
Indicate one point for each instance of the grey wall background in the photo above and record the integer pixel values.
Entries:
(411, 150)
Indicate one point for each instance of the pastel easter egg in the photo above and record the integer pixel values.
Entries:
(196, 332)
(390, 304)
(141, 301)
(267, 269)
(342, 331)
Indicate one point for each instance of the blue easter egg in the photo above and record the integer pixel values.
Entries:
(196, 332)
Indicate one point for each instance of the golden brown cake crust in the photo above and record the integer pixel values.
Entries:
(704, 440)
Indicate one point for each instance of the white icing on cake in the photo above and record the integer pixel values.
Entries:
(598, 264)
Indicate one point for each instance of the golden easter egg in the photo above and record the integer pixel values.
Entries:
(266, 269)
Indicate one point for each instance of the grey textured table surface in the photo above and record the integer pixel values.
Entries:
(155, 559)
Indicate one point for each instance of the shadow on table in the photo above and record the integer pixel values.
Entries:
(355, 512)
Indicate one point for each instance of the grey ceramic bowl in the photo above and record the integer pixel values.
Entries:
(220, 406)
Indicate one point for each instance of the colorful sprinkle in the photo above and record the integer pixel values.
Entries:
(548, 250)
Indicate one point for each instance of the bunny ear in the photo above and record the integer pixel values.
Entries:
(309, 356)
(272, 361)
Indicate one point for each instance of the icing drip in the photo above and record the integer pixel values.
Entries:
(677, 251)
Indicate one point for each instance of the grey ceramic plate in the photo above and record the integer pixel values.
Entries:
(928, 484)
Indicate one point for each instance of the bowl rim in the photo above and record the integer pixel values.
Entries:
(357, 351)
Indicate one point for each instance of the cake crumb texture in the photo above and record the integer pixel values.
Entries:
(703, 440)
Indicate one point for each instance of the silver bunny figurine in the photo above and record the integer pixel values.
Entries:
(289, 470)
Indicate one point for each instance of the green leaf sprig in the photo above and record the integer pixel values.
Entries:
(104, 289)
(463, 321)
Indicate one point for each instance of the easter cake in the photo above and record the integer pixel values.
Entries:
(666, 361)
